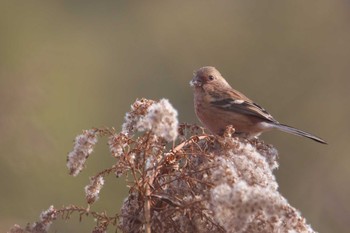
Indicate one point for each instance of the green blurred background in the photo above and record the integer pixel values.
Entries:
(72, 65)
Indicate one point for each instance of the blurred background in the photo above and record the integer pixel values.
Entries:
(66, 66)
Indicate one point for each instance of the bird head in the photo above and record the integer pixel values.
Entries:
(207, 75)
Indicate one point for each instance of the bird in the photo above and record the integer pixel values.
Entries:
(217, 106)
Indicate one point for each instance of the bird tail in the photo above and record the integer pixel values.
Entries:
(298, 132)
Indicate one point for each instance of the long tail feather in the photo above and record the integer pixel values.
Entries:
(298, 132)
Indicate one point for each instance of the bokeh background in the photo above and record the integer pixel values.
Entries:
(72, 65)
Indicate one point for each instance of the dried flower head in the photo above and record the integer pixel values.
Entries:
(117, 144)
(16, 229)
(93, 189)
(161, 119)
(46, 219)
(158, 117)
(83, 147)
(138, 110)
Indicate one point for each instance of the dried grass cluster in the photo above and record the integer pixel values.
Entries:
(204, 184)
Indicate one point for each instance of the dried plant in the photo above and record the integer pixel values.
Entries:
(203, 184)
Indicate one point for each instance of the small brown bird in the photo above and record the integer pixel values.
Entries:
(218, 105)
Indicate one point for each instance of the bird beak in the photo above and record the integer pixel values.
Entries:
(195, 82)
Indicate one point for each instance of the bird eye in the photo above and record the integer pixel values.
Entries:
(211, 77)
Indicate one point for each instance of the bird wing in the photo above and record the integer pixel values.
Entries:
(243, 106)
